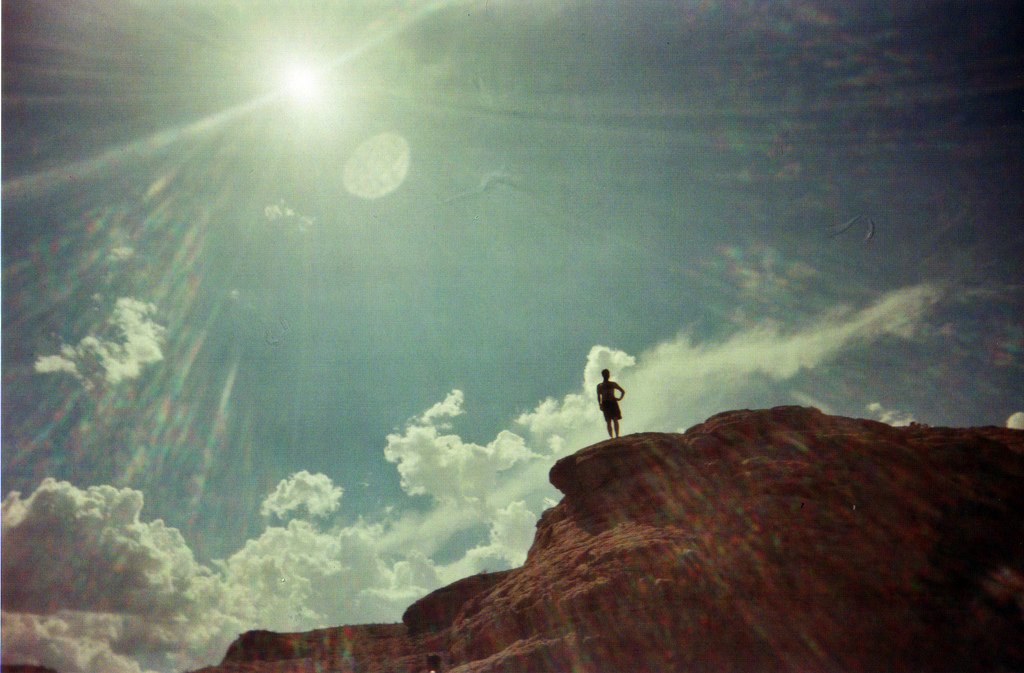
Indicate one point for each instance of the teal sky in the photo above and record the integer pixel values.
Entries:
(325, 287)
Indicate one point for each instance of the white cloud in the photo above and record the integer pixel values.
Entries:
(125, 565)
(808, 401)
(295, 575)
(70, 643)
(89, 588)
(553, 422)
(288, 216)
(445, 467)
(315, 492)
(510, 537)
(120, 254)
(97, 358)
(86, 583)
(893, 417)
(1016, 421)
(677, 383)
(408, 580)
(48, 364)
(450, 406)
(278, 210)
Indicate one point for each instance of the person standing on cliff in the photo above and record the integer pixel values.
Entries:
(609, 402)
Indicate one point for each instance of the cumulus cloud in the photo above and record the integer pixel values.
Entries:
(512, 531)
(314, 492)
(90, 588)
(444, 466)
(72, 549)
(299, 574)
(87, 583)
(449, 407)
(70, 643)
(304, 575)
(278, 210)
(99, 358)
(504, 485)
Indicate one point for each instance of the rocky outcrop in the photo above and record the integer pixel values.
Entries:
(367, 647)
(780, 539)
(770, 540)
(379, 641)
(437, 610)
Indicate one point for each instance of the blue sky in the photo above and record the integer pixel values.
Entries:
(301, 303)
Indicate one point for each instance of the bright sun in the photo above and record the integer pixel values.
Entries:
(301, 83)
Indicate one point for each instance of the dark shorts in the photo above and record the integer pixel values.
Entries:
(611, 410)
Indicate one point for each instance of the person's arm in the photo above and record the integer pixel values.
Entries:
(622, 390)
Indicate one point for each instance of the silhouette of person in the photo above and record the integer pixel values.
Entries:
(609, 402)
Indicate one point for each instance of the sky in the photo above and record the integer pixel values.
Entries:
(302, 300)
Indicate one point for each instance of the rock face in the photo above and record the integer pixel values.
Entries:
(780, 539)
(367, 647)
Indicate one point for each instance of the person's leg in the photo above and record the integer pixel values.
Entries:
(609, 422)
(616, 427)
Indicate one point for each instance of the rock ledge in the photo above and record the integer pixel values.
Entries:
(780, 539)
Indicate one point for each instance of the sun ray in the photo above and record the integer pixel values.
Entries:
(301, 83)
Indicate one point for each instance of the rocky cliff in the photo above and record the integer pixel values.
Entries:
(780, 539)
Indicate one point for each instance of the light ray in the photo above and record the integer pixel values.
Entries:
(44, 181)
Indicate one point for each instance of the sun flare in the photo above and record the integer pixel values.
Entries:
(301, 83)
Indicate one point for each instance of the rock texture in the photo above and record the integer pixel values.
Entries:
(367, 647)
(770, 540)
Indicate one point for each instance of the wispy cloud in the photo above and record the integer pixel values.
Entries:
(679, 383)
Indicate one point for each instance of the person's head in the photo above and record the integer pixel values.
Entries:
(606, 374)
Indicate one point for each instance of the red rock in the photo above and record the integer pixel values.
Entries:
(780, 539)
(373, 646)
(24, 668)
(436, 611)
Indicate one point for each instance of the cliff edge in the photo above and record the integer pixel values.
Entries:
(781, 539)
